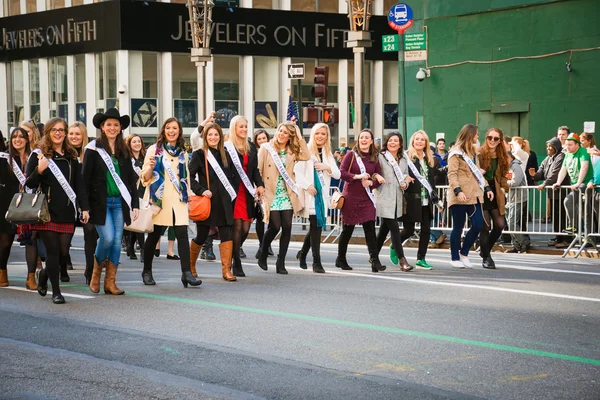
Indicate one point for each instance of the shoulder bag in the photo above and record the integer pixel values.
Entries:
(144, 222)
(28, 208)
(199, 206)
(337, 198)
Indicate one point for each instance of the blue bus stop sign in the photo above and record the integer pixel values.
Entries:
(400, 17)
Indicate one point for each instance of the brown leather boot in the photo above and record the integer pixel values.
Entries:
(30, 283)
(194, 251)
(96, 275)
(404, 265)
(226, 250)
(4, 277)
(110, 285)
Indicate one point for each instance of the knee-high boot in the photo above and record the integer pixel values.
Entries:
(110, 285)
(96, 275)
(3, 278)
(194, 251)
(226, 249)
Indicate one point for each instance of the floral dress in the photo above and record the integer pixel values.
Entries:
(282, 198)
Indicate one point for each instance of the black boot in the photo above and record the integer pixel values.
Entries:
(376, 265)
(262, 259)
(341, 262)
(69, 263)
(371, 239)
(317, 266)
(64, 275)
(208, 253)
(147, 278)
(42, 288)
(131, 252)
(142, 255)
(280, 266)
(302, 258)
(188, 279)
(488, 263)
(236, 268)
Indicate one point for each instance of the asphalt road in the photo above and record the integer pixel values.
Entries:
(528, 330)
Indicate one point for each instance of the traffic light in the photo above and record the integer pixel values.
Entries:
(319, 90)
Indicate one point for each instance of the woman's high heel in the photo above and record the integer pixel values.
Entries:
(188, 279)
(42, 288)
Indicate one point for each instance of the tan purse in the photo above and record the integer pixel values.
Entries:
(143, 223)
(337, 198)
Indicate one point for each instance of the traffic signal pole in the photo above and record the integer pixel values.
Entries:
(300, 120)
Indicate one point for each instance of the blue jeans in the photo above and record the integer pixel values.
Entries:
(459, 215)
(110, 234)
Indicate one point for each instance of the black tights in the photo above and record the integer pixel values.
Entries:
(5, 247)
(487, 239)
(203, 230)
(57, 246)
(278, 220)
(31, 253)
(239, 235)
(409, 229)
(260, 230)
(313, 240)
(390, 225)
(370, 238)
(183, 245)
(90, 239)
(133, 236)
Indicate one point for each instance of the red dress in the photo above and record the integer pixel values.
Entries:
(240, 210)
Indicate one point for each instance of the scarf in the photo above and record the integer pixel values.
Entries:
(319, 204)
(157, 187)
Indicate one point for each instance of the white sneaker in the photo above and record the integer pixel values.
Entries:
(457, 264)
(465, 261)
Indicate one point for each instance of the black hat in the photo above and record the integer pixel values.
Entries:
(114, 114)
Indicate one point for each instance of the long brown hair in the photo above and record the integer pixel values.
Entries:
(45, 143)
(589, 137)
(162, 137)
(464, 140)
(293, 145)
(485, 154)
(12, 153)
(257, 133)
(128, 143)
(387, 139)
(372, 149)
(121, 149)
(220, 145)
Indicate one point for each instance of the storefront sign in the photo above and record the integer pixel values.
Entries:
(71, 30)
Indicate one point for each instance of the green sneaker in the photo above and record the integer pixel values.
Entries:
(423, 264)
(393, 256)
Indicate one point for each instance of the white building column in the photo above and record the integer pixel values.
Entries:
(23, 6)
(377, 84)
(4, 99)
(209, 88)
(343, 99)
(165, 87)
(44, 90)
(247, 90)
(71, 89)
(90, 92)
(123, 80)
(26, 93)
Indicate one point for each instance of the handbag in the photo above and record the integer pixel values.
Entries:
(28, 208)
(337, 198)
(199, 206)
(143, 223)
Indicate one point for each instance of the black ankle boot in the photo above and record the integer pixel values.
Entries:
(488, 263)
(302, 258)
(376, 265)
(236, 268)
(131, 253)
(188, 279)
(341, 262)
(262, 260)
(280, 266)
(147, 278)
(58, 299)
(64, 275)
(318, 267)
(42, 288)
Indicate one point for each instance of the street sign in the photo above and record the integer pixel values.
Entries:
(415, 41)
(400, 17)
(390, 43)
(296, 71)
(589, 126)
(417, 55)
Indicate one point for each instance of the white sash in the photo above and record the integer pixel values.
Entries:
(472, 166)
(61, 180)
(320, 175)
(399, 175)
(172, 175)
(432, 195)
(282, 171)
(17, 171)
(217, 168)
(137, 169)
(240, 169)
(113, 172)
(362, 168)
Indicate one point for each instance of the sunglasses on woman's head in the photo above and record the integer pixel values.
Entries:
(493, 138)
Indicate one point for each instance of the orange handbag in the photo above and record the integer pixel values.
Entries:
(199, 206)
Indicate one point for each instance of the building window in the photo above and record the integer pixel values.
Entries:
(106, 79)
(185, 90)
(328, 6)
(77, 2)
(226, 87)
(304, 5)
(80, 78)
(13, 7)
(367, 109)
(54, 4)
(264, 4)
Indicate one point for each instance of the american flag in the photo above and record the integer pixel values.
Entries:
(292, 111)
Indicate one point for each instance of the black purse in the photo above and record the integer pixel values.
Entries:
(28, 208)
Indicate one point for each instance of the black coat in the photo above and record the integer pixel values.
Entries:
(254, 176)
(9, 185)
(94, 176)
(61, 208)
(412, 194)
(140, 188)
(221, 205)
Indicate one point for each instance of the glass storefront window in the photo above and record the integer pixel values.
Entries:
(13, 7)
(106, 78)
(266, 92)
(264, 4)
(226, 87)
(80, 78)
(34, 82)
(150, 75)
(77, 2)
(53, 4)
(16, 69)
(328, 6)
(367, 68)
(304, 5)
(185, 90)
(57, 78)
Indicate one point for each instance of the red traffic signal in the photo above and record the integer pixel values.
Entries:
(319, 90)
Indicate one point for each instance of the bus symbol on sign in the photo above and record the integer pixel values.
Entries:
(400, 12)
(400, 17)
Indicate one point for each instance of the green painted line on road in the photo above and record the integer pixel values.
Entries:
(372, 327)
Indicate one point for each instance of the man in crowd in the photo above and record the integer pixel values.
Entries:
(562, 134)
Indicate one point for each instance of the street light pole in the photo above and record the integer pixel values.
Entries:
(200, 12)
(359, 38)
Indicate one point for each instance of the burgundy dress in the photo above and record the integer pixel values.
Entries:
(358, 207)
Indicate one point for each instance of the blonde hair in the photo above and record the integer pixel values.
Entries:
(412, 153)
(240, 144)
(84, 136)
(293, 145)
(312, 145)
(36, 133)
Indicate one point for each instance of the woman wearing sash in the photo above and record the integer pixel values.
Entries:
(56, 170)
(136, 150)
(276, 161)
(11, 178)
(314, 177)
(389, 198)
(220, 189)
(361, 171)
(495, 162)
(260, 137)
(33, 132)
(244, 159)
(110, 183)
(166, 176)
(465, 194)
(421, 195)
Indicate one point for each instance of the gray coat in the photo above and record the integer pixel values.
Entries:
(389, 199)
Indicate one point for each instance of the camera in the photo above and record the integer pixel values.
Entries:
(422, 74)
(219, 115)
(122, 89)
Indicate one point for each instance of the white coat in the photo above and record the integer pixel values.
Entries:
(305, 177)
